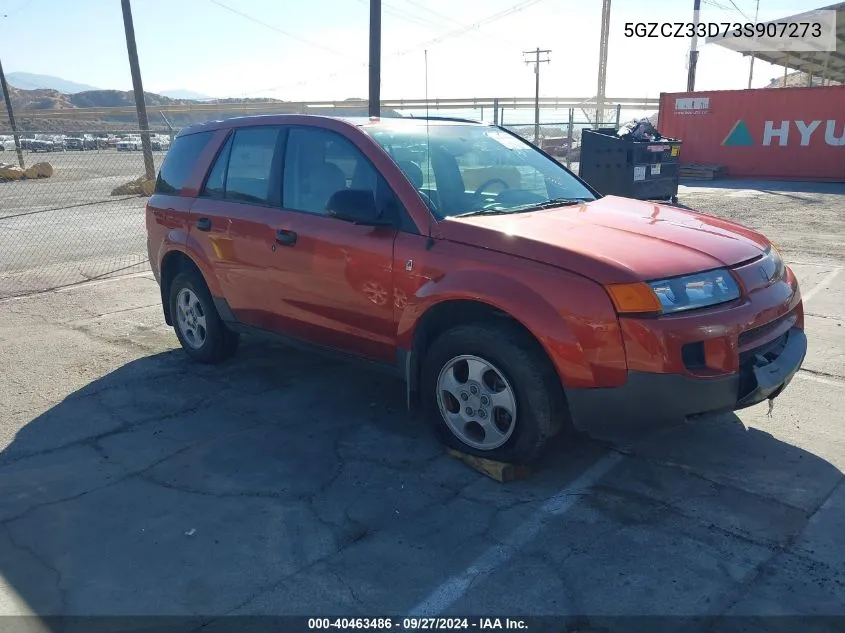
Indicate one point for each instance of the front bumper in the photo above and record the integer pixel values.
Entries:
(648, 401)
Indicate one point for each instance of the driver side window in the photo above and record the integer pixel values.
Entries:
(318, 164)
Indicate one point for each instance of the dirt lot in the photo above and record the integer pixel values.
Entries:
(134, 482)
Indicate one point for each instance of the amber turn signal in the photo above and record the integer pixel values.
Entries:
(634, 298)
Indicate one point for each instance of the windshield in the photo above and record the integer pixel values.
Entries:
(468, 169)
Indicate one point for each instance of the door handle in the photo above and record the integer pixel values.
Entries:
(204, 224)
(286, 238)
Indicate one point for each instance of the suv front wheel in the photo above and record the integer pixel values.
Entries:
(490, 392)
(201, 332)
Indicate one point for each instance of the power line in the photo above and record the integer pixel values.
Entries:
(278, 30)
(741, 12)
(414, 18)
(18, 10)
(497, 16)
(440, 15)
(406, 15)
(427, 22)
(725, 9)
(520, 6)
(459, 24)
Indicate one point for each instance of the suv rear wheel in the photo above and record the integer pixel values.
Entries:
(201, 332)
(490, 392)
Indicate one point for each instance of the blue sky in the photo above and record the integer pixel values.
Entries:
(318, 49)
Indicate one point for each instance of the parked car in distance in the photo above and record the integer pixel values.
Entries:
(7, 144)
(129, 144)
(75, 143)
(41, 145)
(160, 143)
(513, 299)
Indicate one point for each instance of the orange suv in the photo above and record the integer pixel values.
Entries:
(514, 299)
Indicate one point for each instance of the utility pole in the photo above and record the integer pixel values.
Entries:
(751, 66)
(375, 58)
(693, 54)
(537, 61)
(8, 99)
(603, 43)
(138, 88)
(751, 71)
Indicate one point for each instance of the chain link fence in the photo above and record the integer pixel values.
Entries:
(75, 212)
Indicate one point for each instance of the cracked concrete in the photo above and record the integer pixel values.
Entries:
(133, 481)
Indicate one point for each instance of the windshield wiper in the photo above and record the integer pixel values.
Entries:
(554, 202)
(548, 204)
(482, 212)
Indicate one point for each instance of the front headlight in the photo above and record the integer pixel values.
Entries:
(771, 265)
(675, 294)
(695, 291)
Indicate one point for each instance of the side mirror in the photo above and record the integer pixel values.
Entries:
(357, 206)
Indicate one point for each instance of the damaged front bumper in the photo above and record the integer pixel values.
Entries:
(650, 400)
(766, 371)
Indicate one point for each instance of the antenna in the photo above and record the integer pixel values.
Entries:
(430, 242)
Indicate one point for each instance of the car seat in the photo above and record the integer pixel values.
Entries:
(321, 183)
(415, 174)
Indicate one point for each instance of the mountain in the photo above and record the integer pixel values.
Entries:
(45, 99)
(181, 93)
(31, 81)
(62, 117)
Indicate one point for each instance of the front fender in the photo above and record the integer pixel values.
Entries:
(571, 317)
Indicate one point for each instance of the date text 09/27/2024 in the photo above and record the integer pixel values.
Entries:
(417, 624)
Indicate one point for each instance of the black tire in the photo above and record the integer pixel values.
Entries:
(540, 402)
(220, 342)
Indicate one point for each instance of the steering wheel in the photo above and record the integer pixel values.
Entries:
(484, 185)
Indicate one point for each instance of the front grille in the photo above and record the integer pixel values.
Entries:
(770, 350)
(749, 359)
(749, 336)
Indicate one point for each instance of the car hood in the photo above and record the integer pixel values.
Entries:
(613, 239)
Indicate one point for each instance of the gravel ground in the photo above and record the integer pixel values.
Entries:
(133, 482)
(806, 220)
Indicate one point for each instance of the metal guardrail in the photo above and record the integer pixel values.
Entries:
(298, 107)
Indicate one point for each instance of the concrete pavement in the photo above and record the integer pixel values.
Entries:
(134, 482)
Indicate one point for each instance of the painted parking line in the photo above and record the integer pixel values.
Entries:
(744, 193)
(77, 286)
(821, 285)
(831, 382)
(455, 587)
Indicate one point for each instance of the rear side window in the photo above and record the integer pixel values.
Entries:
(215, 186)
(246, 169)
(180, 161)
